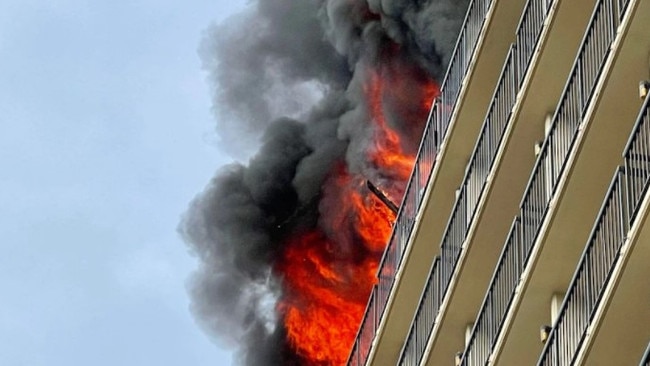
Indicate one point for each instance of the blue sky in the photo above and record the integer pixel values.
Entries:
(106, 135)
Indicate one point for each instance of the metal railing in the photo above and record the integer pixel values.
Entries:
(433, 137)
(529, 30)
(416, 341)
(629, 186)
(546, 174)
(622, 4)
(366, 332)
(590, 279)
(497, 300)
(467, 200)
(460, 61)
(645, 359)
(510, 81)
(494, 305)
(637, 159)
(478, 169)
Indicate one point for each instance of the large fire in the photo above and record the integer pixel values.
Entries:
(329, 271)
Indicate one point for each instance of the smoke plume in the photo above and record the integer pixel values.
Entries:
(331, 92)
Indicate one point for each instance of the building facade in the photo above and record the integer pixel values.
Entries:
(522, 236)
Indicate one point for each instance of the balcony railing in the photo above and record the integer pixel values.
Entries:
(590, 279)
(601, 253)
(529, 30)
(422, 324)
(433, 137)
(460, 61)
(645, 360)
(497, 300)
(466, 203)
(514, 70)
(622, 4)
(478, 169)
(637, 159)
(434, 134)
(548, 169)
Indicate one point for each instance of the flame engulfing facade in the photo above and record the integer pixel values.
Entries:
(289, 243)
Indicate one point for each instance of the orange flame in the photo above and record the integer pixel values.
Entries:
(329, 271)
(387, 150)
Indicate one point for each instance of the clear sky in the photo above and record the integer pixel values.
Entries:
(106, 135)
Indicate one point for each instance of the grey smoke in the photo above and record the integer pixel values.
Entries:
(260, 60)
(304, 59)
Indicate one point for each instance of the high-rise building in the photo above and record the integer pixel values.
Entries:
(522, 237)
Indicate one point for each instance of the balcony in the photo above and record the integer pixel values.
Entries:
(594, 270)
(446, 146)
(569, 180)
(603, 254)
(465, 208)
(607, 300)
(529, 86)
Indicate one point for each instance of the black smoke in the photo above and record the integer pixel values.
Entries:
(288, 76)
